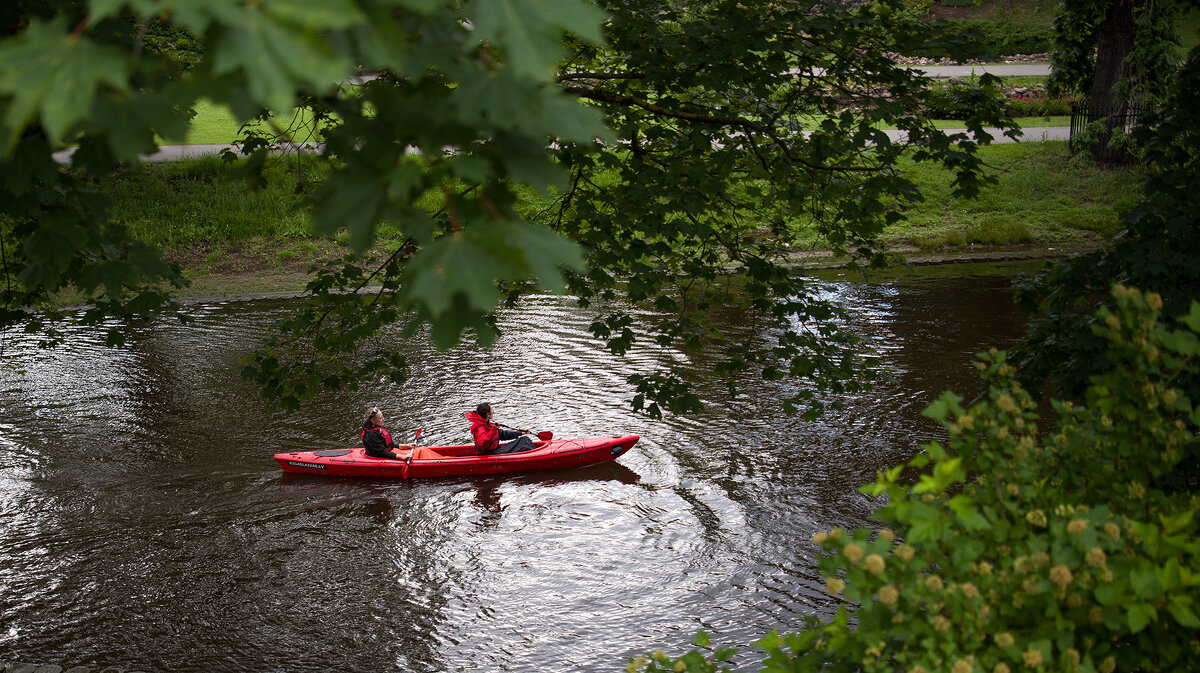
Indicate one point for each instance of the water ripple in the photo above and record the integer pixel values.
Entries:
(144, 523)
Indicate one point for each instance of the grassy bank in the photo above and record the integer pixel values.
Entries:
(1011, 16)
(214, 124)
(1044, 197)
(231, 240)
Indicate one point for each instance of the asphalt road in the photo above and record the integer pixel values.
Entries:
(1003, 70)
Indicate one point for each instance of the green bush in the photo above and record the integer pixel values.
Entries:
(1070, 549)
(918, 7)
(956, 100)
(1008, 38)
(960, 3)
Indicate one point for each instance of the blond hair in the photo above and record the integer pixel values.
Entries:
(370, 414)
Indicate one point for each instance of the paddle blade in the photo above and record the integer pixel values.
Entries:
(419, 431)
(545, 435)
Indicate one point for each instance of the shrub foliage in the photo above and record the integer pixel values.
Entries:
(1070, 551)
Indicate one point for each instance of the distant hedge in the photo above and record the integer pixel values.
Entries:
(1005, 38)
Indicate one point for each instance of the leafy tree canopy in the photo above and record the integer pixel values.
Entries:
(676, 148)
(1119, 53)
(1156, 250)
(1117, 49)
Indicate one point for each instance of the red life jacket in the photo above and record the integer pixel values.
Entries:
(487, 436)
(387, 436)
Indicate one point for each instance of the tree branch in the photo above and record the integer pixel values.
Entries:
(572, 76)
(623, 99)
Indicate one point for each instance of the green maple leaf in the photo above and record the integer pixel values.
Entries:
(530, 30)
(277, 57)
(466, 266)
(51, 77)
(460, 264)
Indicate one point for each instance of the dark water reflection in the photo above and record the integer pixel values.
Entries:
(144, 524)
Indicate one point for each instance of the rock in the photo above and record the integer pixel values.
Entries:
(1013, 58)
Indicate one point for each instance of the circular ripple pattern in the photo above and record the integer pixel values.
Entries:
(145, 525)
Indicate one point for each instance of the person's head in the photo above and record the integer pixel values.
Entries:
(374, 417)
(484, 410)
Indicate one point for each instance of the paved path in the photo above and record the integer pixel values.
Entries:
(1032, 134)
(177, 152)
(1002, 70)
(998, 69)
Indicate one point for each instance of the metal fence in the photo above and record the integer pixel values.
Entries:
(1117, 117)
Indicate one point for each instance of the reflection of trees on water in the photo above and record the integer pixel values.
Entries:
(925, 331)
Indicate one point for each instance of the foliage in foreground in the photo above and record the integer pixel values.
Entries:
(1072, 548)
(697, 108)
(689, 206)
(1074, 551)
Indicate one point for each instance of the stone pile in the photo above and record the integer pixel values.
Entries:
(1014, 58)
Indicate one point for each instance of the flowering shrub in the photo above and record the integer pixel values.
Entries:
(1075, 550)
(1037, 105)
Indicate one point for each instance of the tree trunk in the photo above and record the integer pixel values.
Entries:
(1113, 46)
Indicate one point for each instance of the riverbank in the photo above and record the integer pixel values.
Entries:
(231, 242)
(247, 273)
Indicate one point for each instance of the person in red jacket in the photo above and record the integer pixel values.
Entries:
(488, 436)
(377, 440)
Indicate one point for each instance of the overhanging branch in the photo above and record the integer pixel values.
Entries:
(602, 96)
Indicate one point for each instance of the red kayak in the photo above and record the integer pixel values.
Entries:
(450, 461)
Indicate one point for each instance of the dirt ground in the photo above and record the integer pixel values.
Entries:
(247, 271)
(253, 268)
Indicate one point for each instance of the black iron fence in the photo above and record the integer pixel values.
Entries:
(1104, 129)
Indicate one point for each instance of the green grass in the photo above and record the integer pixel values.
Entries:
(214, 124)
(205, 200)
(1043, 196)
(1024, 81)
(1189, 31)
(201, 210)
(1021, 12)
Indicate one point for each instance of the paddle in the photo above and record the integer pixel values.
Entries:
(544, 435)
(403, 472)
(414, 448)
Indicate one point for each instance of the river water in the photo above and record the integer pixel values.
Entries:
(144, 524)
